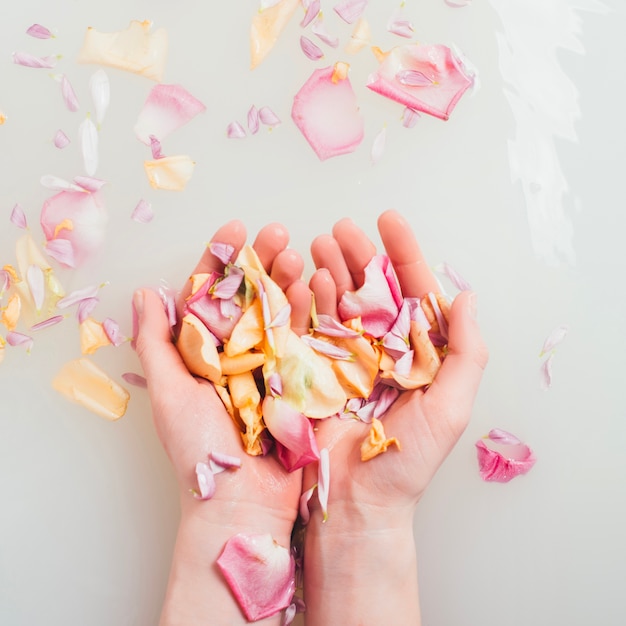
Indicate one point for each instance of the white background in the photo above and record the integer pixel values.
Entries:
(521, 191)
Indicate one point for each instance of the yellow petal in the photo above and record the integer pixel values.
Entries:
(169, 173)
(3, 118)
(197, 280)
(248, 332)
(92, 336)
(376, 442)
(197, 349)
(11, 313)
(266, 27)
(134, 49)
(246, 362)
(83, 382)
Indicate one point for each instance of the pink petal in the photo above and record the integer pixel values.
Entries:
(310, 50)
(350, 10)
(293, 431)
(14, 338)
(376, 301)
(282, 317)
(69, 95)
(442, 78)
(228, 286)
(329, 326)
(319, 30)
(155, 147)
(18, 217)
(88, 134)
(143, 212)
(399, 25)
(218, 462)
(112, 331)
(441, 320)
(77, 296)
(39, 32)
(268, 117)
(168, 298)
(253, 120)
(498, 467)
(58, 184)
(209, 310)
(312, 9)
(36, 285)
(260, 574)
(100, 94)
(235, 131)
(61, 140)
(323, 481)
(386, 396)
(135, 379)
(396, 341)
(51, 321)
(326, 112)
(303, 506)
(89, 184)
(29, 60)
(378, 147)
(554, 339)
(222, 251)
(167, 108)
(403, 365)
(545, 372)
(78, 217)
(5, 281)
(206, 482)
(85, 308)
(409, 117)
(457, 280)
(327, 349)
(497, 435)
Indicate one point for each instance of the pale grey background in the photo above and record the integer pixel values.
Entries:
(88, 508)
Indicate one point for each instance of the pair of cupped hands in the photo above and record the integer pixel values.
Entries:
(261, 496)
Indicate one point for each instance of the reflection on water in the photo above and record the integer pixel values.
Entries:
(544, 102)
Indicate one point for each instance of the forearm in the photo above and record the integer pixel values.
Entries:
(360, 572)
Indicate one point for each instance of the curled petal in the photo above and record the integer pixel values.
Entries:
(113, 332)
(235, 131)
(51, 321)
(350, 10)
(137, 380)
(167, 108)
(311, 50)
(376, 442)
(327, 114)
(260, 574)
(427, 78)
(312, 9)
(61, 140)
(546, 373)
(457, 280)
(222, 251)
(92, 336)
(142, 212)
(89, 184)
(14, 338)
(268, 117)
(329, 326)
(497, 435)
(88, 134)
(303, 507)
(170, 173)
(135, 49)
(253, 120)
(218, 462)
(59, 184)
(323, 481)
(516, 458)
(100, 94)
(409, 117)
(69, 95)
(554, 339)
(360, 37)
(77, 296)
(85, 308)
(266, 27)
(29, 60)
(18, 217)
(155, 147)
(326, 348)
(39, 32)
(206, 482)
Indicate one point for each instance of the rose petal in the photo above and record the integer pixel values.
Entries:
(350, 10)
(69, 95)
(457, 3)
(36, 284)
(18, 217)
(61, 140)
(77, 296)
(59, 184)
(495, 466)
(29, 60)
(361, 37)
(135, 49)
(113, 332)
(253, 120)
(167, 108)
(326, 348)
(260, 574)
(312, 9)
(85, 308)
(222, 251)
(329, 326)
(268, 117)
(170, 173)
(554, 339)
(266, 27)
(88, 134)
(51, 321)
(310, 50)
(303, 506)
(399, 25)
(545, 372)
(206, 482)
(218, 461)
(89, 184)
(100, 89)
(325, 110)
(142, 212)
(319, 30)
(409, 117)
(235, 131)
(14, 338)
(39, 32)
(457, 280)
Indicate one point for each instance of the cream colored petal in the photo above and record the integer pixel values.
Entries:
(83, 382)
(170, 173)
(267, 25)
(92, 336)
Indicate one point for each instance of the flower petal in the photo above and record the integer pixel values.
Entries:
(235, 131)
(376, 442)
(170, 173)
(136, 380)
(515, 458)
(268, 117)
(51, 321)
(325, 110)
(88, 134)
(222, 251)
(18, 217)
(61, 140)
(135, 49)
(100, 89)
(457, 280)
(218, 462)
(14, 338)
(253, 120)
(266, 27)
(323, 481)
(142, 212)
(350, 10)
(83, 382)
(167, 108)
(361, 37)
(39, 32)
(409, 117)
(69, 95)
(545, 372)
(554, 339)
(206, 482)
(36, 284)
(113, 332)
(29, 60)
(311, 50)
(312, 7)
(260, 574)
(92, 336)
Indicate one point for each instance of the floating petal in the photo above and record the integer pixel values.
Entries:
(170, 173)
(11, 312)
(77, 296)
(69, 95)
(457, 4)
(92, 336)
(311, 50)
(312, 9)
(39, 32)
(51, 321)
(319, 30)
(268, 117)
(326, 112)
(143, 212)
(83, 382)
(260, 573)
(36, 284)
(29, 60)
(516, 457)
(399, 25)
(545, 372)
(267, 25)
(253, 120)
(61, 140)
(554, 339)
(350, 10)
(134, 49)
(14, 338)
(361, 37)
(167, 108)
(18, 217)
(409, 117)
(88, 134)
(235, 131)
(100, 88)
(443, 78)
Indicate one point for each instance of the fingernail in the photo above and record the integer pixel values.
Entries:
(471, 305)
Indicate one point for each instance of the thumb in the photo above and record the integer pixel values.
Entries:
(159, 358)
(457, 381)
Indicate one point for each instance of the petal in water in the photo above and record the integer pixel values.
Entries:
(506, 458)
(142, 212)
(427, 78)
(409, 117)
(268, 117)
(29, 60)
(92, 336)
(350, 10)
(155, 147)
(545, 372)
(266, 27)
(100, 89)
(554, 339)
(39, 32)
(170, 173)
(113, 332)
(311, 50)
(398, 24)
(235, 131)
(18, 217)
(327, 113)
(253, 120)
(361, 37)
(83, 382)
(77, 296)
(62, 251)
(88, 134)
(167, 108)
(69, 95)
(61, 140)
(260, 574)
(135, 49)
(11, 312)
(14, 338)
(313, 7)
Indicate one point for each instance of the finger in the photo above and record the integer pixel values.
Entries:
(356, 248)
(271, 240)
(456, 384)
(299, 296)
(413, 272)
(287, 268)
(325, 292)
(327, 254)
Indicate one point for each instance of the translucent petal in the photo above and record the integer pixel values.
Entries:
(92, 336)
(170, 173)
(253, 120)
(142, 212)
(545, 372)
(218, 461)
(18, 217)
(554, 339)
(69, 95)
(29, 60)
(39, 32)
(100, 89)
(266, 27)
(457, 280)
(88, 134)
(350, 10)
(51, 321)
(36, 284)
(313, 7)
(320, 31)
(14, 338)
(61, 140)
(311, 50)
(409, 117)
(268, 117)
(113, 332)
(361, 37)
(235, 131)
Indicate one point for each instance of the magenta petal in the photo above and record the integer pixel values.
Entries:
(498, 467)
(209, 310)
(443, 79)
(69, 95)
(312, 9)
(253, 120)
(350, 10)
(39, 32)
(292, 430)
(311, 50)
(18, 217)
(260, 574)
(155, 147)
(61, 250)
(206, 482)
(29, 60)
(222, 251)
(135, 379)
(268, 117)
(546, 373)
(61, 140)
(497, 435)
(327, 114)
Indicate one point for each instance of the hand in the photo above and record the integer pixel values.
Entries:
(371, 504)
(191, 421)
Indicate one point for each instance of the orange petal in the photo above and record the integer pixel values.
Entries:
(197, 349)
(248, 332)
(92, 336)
(246, 362)
(169, 173)
(266, 27)
(376, 442)
(11, 313)
(83, 382)
(358, 375)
